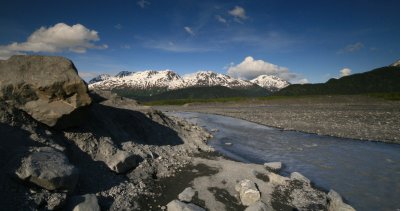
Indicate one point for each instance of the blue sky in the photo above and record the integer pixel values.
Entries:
(300, 41)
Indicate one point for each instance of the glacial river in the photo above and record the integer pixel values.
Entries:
(366, 174)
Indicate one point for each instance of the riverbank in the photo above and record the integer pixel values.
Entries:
(356, 117)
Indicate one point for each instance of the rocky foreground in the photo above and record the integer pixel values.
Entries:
(65, 148)
(351, 116)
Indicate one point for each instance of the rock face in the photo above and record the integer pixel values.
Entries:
(248, 191)
(335, 202)
(47, 88)
(49, 169)
(176, 205)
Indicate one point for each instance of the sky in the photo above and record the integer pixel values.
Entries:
(305, 41)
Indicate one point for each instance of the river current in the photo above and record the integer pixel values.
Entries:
(366, 174)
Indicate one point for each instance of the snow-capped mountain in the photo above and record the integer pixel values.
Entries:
(270, 82)
(99, 78)
(165, 79)
(169, 80)
(209, 78)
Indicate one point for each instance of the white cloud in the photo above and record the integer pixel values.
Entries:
(189, 30)
(220, 19)
(239, 13)
(60, 37)
(345, 72)
(143, 3)
(250, 69)
(352, 47)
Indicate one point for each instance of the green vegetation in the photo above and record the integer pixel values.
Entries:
(191, 93)
(381, 80)
(395, 96)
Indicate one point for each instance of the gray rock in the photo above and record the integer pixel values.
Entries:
(335, 202)
(299, 177)
(56, 200)
(176, 205)
(259, 206)
(48, 88)
(187, 195)
(277, 179)
(86, 202)
(117, 160)
(122, 161)
(276, 166)
(248, 192)
(49, 169)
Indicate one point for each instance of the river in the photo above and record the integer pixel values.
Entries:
(366, 174)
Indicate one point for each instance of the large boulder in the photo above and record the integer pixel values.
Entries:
(46, 87)
(49, 169)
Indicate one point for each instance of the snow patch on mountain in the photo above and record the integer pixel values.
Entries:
(99, 78)
(270, 82)
(209, 78)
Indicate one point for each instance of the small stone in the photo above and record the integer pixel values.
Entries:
(187, 195)
(248, 192)
(56, 200)
(275, 166)
(299, 177)
(176, 205)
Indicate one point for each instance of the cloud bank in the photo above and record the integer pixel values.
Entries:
(58, 38)
(250, 69)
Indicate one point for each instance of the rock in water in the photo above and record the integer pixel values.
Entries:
(49, 169)
(46, 87)
(248, 191)
(335, 202)
(275, 166)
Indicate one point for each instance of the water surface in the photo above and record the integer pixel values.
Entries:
(366, 174)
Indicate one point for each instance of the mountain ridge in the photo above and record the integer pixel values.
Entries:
(170, 80)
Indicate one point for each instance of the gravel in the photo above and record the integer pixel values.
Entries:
(356, 117)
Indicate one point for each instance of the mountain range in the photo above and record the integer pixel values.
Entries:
(170, 80)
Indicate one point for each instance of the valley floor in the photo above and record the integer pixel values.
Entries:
(357, 117)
